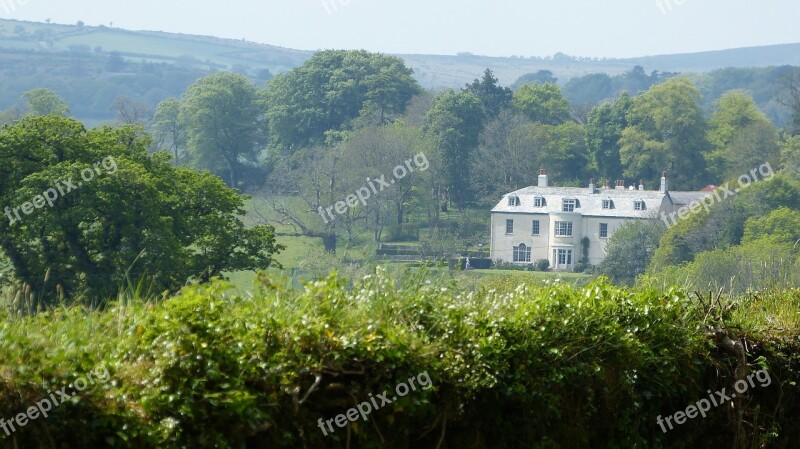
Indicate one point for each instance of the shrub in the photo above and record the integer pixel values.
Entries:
(512, 365)
(542, 265)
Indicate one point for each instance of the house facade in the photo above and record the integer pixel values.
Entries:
(543, 222)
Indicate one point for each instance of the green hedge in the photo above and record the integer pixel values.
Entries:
(512, 366)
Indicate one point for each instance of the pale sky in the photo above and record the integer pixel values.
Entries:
(610, 28)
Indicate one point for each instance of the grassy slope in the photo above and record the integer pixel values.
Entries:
(153, 46)
(362, 247)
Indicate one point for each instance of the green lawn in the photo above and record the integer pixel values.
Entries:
(362, 247)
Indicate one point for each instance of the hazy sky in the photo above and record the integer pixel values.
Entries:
(614, 28)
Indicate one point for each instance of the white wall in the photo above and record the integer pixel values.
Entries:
(502, 245)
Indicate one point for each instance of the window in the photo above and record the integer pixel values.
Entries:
(522, 253)
(562, 257)
(536, 227)
(538, 201)
(638, 205)
(569, 205)
(608, 204)
(509, 226)
(513, 200)
(603, 230)
(563, 229)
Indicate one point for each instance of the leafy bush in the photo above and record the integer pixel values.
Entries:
(542, 265)
(512, 365)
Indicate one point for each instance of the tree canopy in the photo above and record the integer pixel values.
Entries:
(221, 113)
(333, 89)
(130, 217)
(542, 103)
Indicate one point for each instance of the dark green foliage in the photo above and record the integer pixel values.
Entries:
(666, 131)
(493, 96)
(331, 90)
(510, 366)
(630, 249)
(138, 218)
(603, 133)
(452, 127)
(724, 225)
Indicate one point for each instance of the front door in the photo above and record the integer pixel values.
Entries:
(562, 259)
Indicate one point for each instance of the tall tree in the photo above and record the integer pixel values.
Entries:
(666, 131)
(221, 113)
(791, 99)
(507, 157)
(43, 101)
(132, 217)
(603, 133)
(493, 96)
(131, 112)
(741, 135)
(170, 130)
(542, 103)
(562, 150)
(453, 127)
(333, 89)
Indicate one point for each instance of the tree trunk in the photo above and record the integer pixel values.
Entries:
(329, 240)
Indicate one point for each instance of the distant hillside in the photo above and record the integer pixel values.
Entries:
(433, 71)
(455, 71)
(91, 66)
(150, 46)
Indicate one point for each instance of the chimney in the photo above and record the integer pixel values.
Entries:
(621, 184)
(641, 184)
(542, 178)
(664, 184)
(606, 185)
(591, 185)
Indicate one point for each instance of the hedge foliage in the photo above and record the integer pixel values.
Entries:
(512, 365)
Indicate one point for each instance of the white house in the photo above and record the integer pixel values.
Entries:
(543, 222)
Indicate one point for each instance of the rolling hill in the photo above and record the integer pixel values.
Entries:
(92, 66)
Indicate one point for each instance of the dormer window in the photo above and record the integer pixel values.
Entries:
(639, 205)
(608, 204)
(569, 205)
(538, 201)
(513, 200)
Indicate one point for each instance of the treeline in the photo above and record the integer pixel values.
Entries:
(311, 137)
(92, 82)
(744, 239)
(767, 87)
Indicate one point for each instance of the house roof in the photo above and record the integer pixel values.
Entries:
(623, 201)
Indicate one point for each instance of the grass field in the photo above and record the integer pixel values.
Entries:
(300, 251)
(151, 46)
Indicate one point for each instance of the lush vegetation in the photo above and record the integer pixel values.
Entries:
(121, 272)
(546, 365)
(114, 215)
